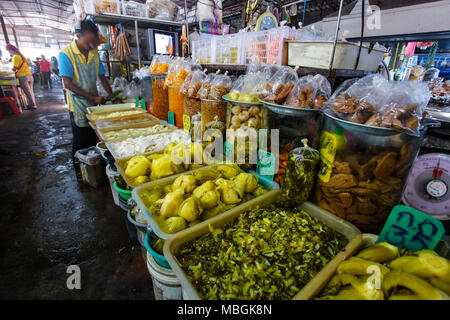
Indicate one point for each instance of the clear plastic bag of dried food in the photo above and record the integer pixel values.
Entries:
(252, 86)
(403, 107)
(361, 100)
(279, 85)
(235, 91)
(203, 92)
(192, 84)
(269, 70)
(162, 9)
(303, 94)
(178, 71)
(220, 86)
(299, 178)
(255, 66)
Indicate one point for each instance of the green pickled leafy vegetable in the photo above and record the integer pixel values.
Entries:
(267, 253)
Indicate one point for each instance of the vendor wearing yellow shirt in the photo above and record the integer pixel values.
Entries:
(23, 73)
(80, 67)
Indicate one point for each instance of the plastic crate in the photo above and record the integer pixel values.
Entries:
(203, 49)
(229, 48)
(267, 46)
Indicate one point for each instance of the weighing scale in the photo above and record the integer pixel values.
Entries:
(427, 188)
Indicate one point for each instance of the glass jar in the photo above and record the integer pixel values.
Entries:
(160, 106)
(176, 105)
(363, 170)
(252, 115)
(213, 112)
(191, 106)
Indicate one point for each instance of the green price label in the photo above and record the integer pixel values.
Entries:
(266, 164)
(171, 118)
(411, 229)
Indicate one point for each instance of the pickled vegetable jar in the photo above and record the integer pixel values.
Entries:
(363, 170)
(160, 97)
(176, 105)
(252, 115)
(192, 106)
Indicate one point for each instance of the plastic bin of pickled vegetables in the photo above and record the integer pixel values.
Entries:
(262, 250)
(184, 201)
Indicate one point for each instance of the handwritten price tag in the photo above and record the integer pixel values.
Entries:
(171, 118)
(266, 164)
(411, 229)
(186, 123)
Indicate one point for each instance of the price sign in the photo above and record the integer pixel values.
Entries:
(228, 149)
(411, 229)
(328, 147)
(266, 164)
(186, 123)
(171, 118)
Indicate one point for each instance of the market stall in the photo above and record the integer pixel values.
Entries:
(261, 176)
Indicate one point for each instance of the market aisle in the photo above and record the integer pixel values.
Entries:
(49, 221)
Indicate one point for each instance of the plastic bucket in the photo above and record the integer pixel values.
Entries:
(166, 285)
(111, 174)
(159, 258)
(140, 228)
(123, 194)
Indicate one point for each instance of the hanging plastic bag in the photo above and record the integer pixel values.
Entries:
(279, 85)
(220, 86)
(303, 94)
(300, 176)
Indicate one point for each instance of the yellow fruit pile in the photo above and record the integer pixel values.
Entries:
(141, 169)
(383, 271)
(201, 195)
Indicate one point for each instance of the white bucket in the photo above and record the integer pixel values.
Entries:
(101, 146)
(111, 174)
(166, 285)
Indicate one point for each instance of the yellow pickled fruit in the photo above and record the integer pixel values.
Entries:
(379, 252)
(357, 266)
(228, 170)
(186, 182)
(196, 153)
(426, 265)
(365, 289)
(231, 193)
(440, 284)
(155, 156)
(170, 147)
(137, 166)
(173, 225)
(250, 181)
(259, 191)
(140, 180)
(437, 265)
(162, 167)
(208, 195)
(207, 214)
(180, 154)
(405, 297)
(190, 209)
(420, 287)
(194, 166)
(349, 294)
(171, 203)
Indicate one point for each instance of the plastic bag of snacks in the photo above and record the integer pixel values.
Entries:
(323, 91)
(162, 9)
(178, 71)
(160, 64)
(252, 86)
(254, 67)
(269, 70)
(192, 84)
(203, 92)
(279, 85)
(300, 175)
(235, 91)
(220, 86)
(303, 94)
(375, 101)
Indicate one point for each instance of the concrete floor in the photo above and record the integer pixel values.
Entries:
(49, 221)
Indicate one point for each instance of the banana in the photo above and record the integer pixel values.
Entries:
(350, 294)
(420, 287)
(380, 252)
(357, 266)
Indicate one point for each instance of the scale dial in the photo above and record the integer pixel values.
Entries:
(266, 21)
(427, 188)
